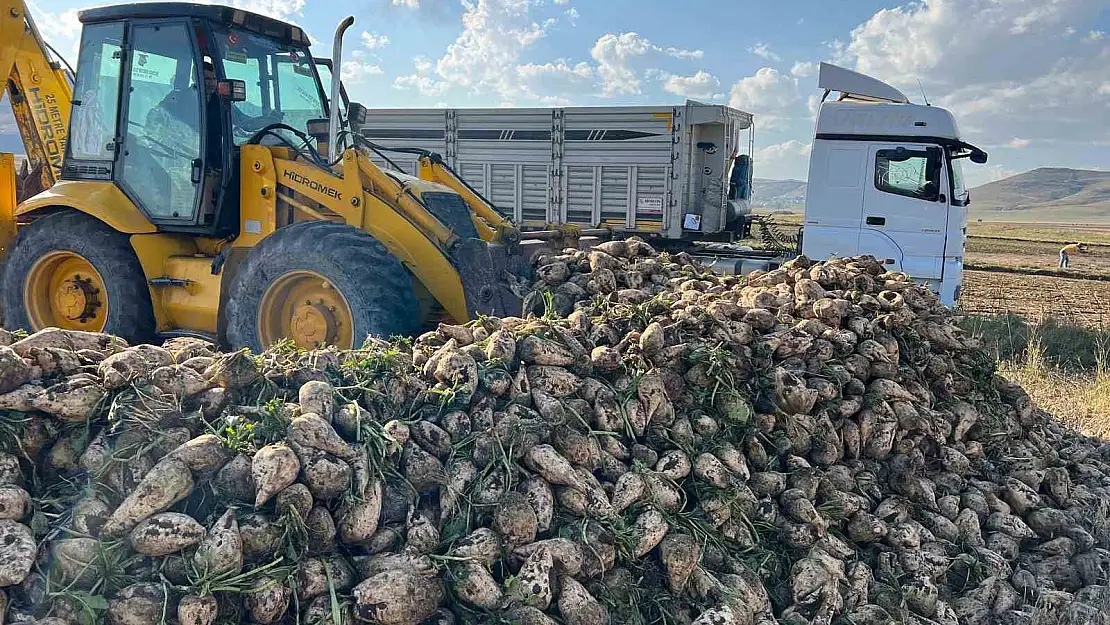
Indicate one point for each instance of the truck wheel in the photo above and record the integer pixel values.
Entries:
(72, 271)
(319, 283)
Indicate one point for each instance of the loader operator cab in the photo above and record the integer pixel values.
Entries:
(166, 93)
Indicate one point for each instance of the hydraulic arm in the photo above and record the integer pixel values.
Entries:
(40, 90)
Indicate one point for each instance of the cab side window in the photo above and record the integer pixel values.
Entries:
(912, 173)
(96, 94)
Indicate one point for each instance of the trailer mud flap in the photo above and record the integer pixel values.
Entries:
(489, 274)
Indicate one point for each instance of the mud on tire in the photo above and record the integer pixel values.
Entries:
(376, 286)
(130, 313)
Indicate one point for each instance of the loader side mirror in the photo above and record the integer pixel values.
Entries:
(979, 158)
(232, 90)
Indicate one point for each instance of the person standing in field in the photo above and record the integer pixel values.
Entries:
(1067, 251)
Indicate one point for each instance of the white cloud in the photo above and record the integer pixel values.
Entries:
(562, 1)
(763, 51)
(280, 9)
(679, 53)
(358, 67)
(1018, 143)
(572, 15)
(772, 96)
(549, 82)
(1002, 67)
(423, 65)
(484, 57)
(929, 40)
(373, 41)
(61, 30)
(803, 69)
(612, 53)
(424, 85)
(700, 86)
(786, 160)
(408, 4)
(618, 55)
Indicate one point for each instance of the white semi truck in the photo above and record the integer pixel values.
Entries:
(885, 179)
(884, 174)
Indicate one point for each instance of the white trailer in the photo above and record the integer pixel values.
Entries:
(660, 171)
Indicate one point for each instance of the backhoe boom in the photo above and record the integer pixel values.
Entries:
(40, 91)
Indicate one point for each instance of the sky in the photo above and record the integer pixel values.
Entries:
(1028, 80)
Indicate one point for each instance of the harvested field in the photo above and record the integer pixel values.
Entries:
(1035, 255)
(1036, 297)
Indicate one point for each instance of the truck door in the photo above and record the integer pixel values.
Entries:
(905, 208)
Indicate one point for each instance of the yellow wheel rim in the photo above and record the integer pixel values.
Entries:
(64, 290)
(304, 306)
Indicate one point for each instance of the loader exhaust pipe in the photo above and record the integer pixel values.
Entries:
(336, 72)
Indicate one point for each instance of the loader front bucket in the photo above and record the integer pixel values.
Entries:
(493, 277)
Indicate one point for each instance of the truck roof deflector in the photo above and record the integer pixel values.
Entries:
(856, 86)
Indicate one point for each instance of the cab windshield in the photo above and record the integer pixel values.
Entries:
(281, 81)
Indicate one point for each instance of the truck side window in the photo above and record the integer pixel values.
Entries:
(912, 173)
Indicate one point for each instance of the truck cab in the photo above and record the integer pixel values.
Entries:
(885, 179)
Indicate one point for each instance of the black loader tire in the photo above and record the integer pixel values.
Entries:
(130, 313)
(377, 287)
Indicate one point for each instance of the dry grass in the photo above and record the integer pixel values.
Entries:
(1078, 399)
(1064, 366)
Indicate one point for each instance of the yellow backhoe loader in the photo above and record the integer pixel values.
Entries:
(197, 179)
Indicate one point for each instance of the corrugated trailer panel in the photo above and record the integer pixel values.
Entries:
(534, 194)
(408, 128)
(503, 135)
(580, 195)
(504, 187)
(616, 137)
(616, 195)
(651, 194)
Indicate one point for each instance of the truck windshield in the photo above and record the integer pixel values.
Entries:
(282, 85)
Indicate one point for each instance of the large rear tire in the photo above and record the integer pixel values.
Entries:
(72, 271)
(319, 283)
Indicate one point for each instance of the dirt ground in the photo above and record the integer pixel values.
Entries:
(1028, 254)
(1036, 297)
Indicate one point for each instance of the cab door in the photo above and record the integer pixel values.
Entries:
(163, 122)
(905, 212)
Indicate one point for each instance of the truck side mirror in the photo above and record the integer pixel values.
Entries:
(979, 158)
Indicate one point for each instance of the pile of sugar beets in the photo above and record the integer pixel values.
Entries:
(649, 444)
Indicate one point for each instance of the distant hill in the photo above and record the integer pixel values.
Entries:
(778, 194)
(1052, 194)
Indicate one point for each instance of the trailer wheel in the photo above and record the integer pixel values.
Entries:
(319, 283)
(71, 271)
